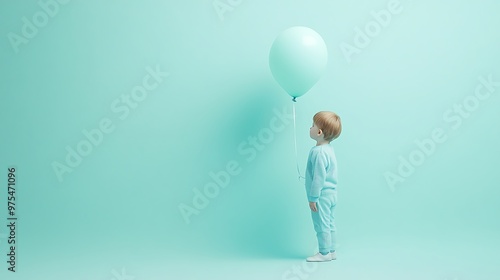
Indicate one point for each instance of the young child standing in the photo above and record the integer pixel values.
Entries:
(321, 183)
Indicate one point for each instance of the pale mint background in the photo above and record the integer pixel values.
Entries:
(119, 207)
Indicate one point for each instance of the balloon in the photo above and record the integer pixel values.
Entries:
(297, 59)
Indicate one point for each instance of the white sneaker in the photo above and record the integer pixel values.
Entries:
(333, 255)
(320, 258)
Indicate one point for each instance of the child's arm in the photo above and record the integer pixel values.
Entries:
(318, 172)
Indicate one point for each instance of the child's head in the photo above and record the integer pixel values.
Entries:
(326, 125)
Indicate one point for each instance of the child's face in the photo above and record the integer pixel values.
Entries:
(315, 133)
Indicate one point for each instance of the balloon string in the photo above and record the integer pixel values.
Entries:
(295, 138)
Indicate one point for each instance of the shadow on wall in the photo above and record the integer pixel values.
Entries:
(244, 112)
(251, 216)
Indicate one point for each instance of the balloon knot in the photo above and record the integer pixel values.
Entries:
(293, 99)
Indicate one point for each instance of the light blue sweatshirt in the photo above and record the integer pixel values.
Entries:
(321, 172)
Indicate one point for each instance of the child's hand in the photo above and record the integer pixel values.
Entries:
(312, 205)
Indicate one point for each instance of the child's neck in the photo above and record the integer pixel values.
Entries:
(321, 143)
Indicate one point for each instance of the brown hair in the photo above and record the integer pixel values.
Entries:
(329, 123)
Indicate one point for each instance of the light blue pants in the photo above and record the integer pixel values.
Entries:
(324, 222)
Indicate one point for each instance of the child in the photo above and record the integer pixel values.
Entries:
(321, 183)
